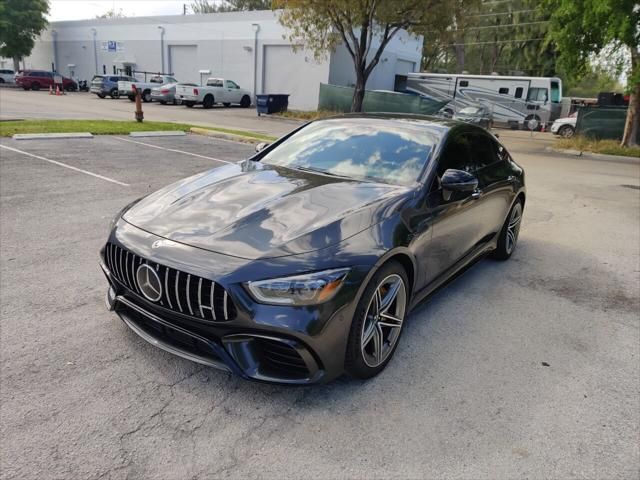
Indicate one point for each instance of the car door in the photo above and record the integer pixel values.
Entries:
(456, 226)
(495, 183)
(232, 92)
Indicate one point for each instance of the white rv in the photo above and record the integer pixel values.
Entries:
(518, 102)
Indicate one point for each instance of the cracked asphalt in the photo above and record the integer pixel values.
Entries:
(528, 368)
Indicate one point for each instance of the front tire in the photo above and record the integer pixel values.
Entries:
(378, 322)
(245, 102)
(146, 96)
(566, 131)
(114, 93)
(508, 238)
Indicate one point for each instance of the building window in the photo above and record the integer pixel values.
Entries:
(464, 83)
(518, 92)
(503, 91)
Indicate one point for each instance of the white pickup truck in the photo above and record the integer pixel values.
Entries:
(126, 88)
(217, 90)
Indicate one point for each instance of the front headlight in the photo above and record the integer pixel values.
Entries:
(307, 289)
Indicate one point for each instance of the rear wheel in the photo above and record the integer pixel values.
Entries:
(245, 102)
(566, 131)
(189, 104)
(208, 102)
(378, 322)
(509, 233)
(146, 96)
(114, 93)
(35, 86)
(1, 80)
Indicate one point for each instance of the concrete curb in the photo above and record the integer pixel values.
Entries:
(595, 156)
(160, 133)
(51, 136)
(227, 136)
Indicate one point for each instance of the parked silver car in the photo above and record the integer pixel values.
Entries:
(167, 93)
(477, 115)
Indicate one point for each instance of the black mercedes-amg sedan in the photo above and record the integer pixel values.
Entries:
(302, 262)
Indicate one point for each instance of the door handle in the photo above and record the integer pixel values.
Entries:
(511, 178)
(476, 195)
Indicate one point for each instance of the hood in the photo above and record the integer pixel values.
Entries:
(252, 210)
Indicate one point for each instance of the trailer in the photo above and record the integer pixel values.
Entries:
(514, 101)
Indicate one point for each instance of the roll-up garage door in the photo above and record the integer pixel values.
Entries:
(183, 63)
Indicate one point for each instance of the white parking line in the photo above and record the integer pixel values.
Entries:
(174, 150)
(106, 179)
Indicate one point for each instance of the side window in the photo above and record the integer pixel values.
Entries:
(485, 151)
(463, 83)
(537, 95)
(231, 84)
(456, 155)
(518, 92)
(503, 91)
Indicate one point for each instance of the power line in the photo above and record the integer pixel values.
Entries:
(504, 25)
(498, 41)
(501, 13)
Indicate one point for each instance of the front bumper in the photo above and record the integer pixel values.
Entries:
(267, 343)
(555, 127)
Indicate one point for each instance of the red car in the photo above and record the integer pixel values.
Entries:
(37, 79)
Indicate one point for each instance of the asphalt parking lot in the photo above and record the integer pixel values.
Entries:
(527, 368)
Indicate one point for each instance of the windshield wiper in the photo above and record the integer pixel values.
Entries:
(321, 171)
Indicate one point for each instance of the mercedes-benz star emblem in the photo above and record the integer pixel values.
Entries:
(149, 282)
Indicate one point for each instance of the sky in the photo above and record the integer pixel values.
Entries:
(84, 9)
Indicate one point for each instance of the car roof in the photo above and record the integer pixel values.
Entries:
(438, 126)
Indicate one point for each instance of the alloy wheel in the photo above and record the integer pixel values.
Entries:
(513, 228)
(383, 320)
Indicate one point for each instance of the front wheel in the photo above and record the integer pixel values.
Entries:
(509, 234)
(378, 322)
(146, 96)
(245, 102)
(566, 131)
(114, 93)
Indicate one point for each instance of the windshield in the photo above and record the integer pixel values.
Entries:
(555, 92)
(391, 151)
(470, 110)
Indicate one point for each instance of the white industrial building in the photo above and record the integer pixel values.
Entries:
(250, 48)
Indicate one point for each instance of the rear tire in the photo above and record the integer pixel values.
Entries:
(208, 102)
(508, 238)
(146, 96)
(245, 102)
(114, 93)
(189, 104)
(1, 80)
(378, 322)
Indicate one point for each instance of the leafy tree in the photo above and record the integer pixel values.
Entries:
(21, 21)
(112, 13)
(206, 6)
(323, 24)
(591, 83)
(584, 28)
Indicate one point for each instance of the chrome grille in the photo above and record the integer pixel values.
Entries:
(182, 292)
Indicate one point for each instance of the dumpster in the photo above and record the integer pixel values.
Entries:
(272, 103)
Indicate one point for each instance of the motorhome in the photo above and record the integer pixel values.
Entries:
(517, 102)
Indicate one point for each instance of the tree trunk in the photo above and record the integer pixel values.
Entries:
(16, 64)
(631, 127)
(358, 93)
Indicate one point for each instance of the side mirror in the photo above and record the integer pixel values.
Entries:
(458, 181)
(261, 146)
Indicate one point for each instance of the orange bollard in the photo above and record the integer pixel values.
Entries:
(58, 90)
(50, 90)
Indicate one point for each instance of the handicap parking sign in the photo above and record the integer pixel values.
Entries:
(111, 46)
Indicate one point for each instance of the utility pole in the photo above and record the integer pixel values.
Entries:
(184, 9)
